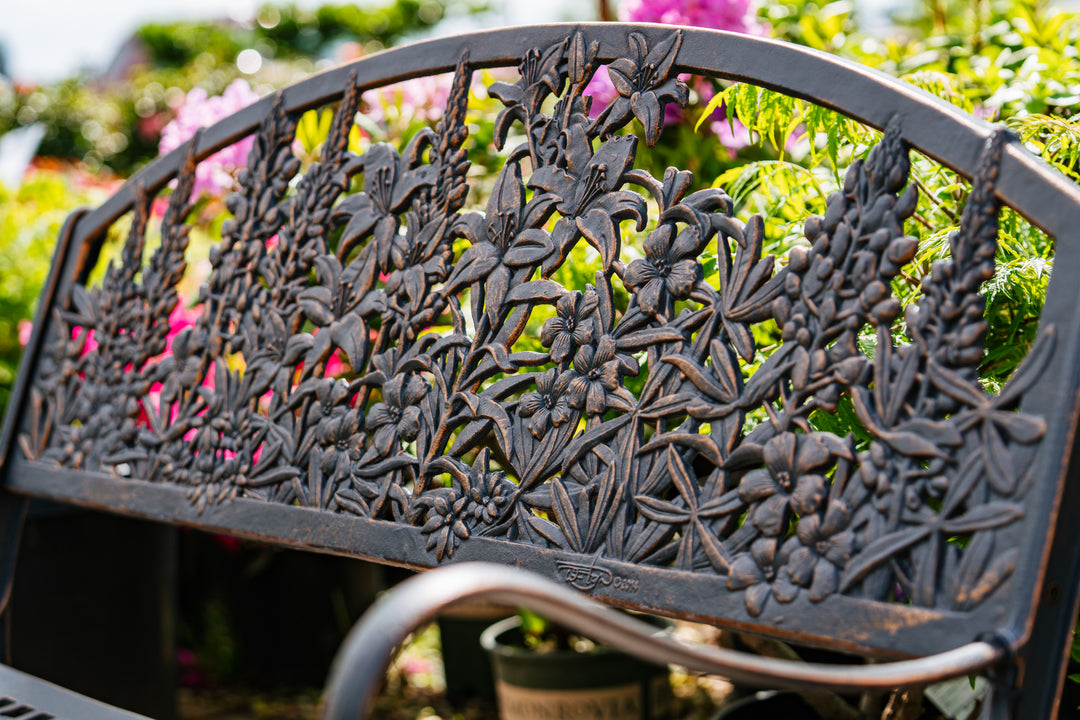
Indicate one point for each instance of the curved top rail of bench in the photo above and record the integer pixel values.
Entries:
(934, 127)
(1000, 167)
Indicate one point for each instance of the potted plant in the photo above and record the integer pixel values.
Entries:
(768, 704)
(546, 671)
(466, 665)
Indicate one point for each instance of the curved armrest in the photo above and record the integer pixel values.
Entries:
(362, 662)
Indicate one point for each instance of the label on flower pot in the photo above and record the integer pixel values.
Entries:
(622, 702)
(957, 698)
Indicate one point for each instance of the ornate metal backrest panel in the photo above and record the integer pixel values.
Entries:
(704, 491)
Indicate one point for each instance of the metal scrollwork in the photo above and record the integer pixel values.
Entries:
(469, 432)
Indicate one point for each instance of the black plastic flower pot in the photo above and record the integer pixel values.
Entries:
(769, 705)
(602, 683)
(466, 665)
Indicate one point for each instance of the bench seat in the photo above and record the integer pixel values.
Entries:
(28, 698)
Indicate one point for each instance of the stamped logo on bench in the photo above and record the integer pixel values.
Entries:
(586, 577)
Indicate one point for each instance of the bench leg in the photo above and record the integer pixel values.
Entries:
(93, 610)
(12, 513)
(1045, 657)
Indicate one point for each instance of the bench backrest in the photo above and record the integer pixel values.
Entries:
(631, 453)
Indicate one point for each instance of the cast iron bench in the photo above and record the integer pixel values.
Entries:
(946, 543)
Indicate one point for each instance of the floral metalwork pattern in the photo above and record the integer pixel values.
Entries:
(466, 433)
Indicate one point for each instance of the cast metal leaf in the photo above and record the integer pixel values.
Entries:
(444, 423)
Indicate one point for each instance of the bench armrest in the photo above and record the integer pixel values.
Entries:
(361, 664)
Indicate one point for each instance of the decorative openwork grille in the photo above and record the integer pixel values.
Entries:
(652, 430)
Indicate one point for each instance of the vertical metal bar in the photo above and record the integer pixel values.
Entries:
(46, 302)
(1043, 659)
(12, 514)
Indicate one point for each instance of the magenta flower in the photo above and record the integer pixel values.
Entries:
(335, 366)
(733, 15)
(214, 175)
(601, 90)
(91, 344)
(181, 318)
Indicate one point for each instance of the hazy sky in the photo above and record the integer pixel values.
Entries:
(46, 40)
(49, 39)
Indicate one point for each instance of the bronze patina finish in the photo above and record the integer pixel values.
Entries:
(702, 492)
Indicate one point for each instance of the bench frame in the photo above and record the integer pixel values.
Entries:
(1023, 620)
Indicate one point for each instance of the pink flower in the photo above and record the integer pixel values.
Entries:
(215, 174)
(421, 98)
(91, 343)
(228, 543)
(25, 328)
(603, 94)
(732, 138)
(158, 207)
(191, 674)
(335, 366)
(416, 666)
(182, 317)
(150, 127)
(734, 15)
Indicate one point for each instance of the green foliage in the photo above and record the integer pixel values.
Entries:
(30, 220)
(284, 32)
(1056, 139)
(780, 120)
(174, 45)
(1016, 61)
(821, 26)
(533, 626)
(80, 122)
(115, 126)
(947, 87)
(1074, 651)
(1014, 296)
(841, 423)
(213, 638)
(784, 193)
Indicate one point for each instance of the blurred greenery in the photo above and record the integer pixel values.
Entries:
(116, 122)
(30, 220)
(282, 32)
